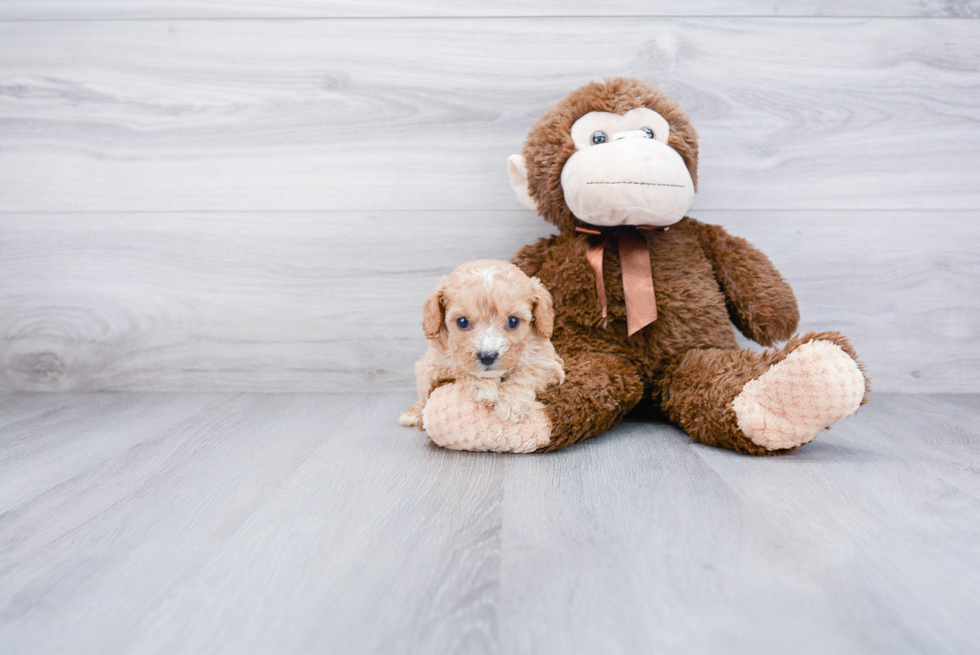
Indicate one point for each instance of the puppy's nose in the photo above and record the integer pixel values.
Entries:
(487, 358)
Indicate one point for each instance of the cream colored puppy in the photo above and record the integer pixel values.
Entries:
(489, 328)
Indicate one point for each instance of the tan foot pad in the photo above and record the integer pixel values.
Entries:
(453, 420)
(816, 385)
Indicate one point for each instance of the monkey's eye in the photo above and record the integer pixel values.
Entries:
(462, 323)
(648, 132)
(598, 137)
(513, 322)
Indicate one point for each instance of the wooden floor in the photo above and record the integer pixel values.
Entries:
(241, 523)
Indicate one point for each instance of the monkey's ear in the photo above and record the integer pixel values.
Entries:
(543, 310)
(517, 168)
(432, 312)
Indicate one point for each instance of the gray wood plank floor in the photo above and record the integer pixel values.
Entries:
(288, 523)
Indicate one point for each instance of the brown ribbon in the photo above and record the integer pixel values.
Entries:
(634, 257)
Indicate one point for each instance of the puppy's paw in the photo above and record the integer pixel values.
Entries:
(485, 390)
(514, 405)
(411, 416)
(557, 372)
(506, 411)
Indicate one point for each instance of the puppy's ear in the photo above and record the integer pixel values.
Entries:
(542, 309)
(433, 311)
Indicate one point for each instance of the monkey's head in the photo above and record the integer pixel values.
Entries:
(616, 153)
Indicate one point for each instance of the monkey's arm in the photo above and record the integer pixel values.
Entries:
(760, 302)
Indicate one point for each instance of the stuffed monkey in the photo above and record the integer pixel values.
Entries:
(645, 296)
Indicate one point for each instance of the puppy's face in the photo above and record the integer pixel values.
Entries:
(486, 313)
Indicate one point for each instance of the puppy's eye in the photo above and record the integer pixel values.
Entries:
(513, 322)
(598, 137)
(648, 131)
(462, 323)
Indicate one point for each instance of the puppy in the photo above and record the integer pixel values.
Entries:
(489, 328)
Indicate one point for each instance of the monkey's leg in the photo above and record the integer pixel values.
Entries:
(599, 389)
(765, 403)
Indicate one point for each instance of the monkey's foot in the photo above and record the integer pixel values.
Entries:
(816, 385)
(454, 420)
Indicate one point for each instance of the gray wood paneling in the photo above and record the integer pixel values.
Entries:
(371, 115)
(157, 9)
(332, 301)
(263, 204)
(293, 523)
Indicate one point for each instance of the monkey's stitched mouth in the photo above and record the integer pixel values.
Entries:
(679, 186)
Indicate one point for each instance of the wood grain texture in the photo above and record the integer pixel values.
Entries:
(332, 301)
(924, 445)
(165, 523)
(157, 9)
(294, 523)
(262, 204)
(369, 115)
(862, 542)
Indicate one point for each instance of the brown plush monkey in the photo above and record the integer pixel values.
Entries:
(645, 296)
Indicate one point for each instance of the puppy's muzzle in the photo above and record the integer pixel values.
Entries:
(487, 358)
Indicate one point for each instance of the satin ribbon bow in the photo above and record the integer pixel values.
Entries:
(634, 257)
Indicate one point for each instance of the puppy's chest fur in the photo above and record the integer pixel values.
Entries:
(691, 311)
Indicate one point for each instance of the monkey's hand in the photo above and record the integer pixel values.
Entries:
(454, 420)
(760, 302)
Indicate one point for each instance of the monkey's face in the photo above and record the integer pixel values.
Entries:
(619, 152)
(624, 173)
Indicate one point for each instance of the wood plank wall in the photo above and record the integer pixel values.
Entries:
(258, 195)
